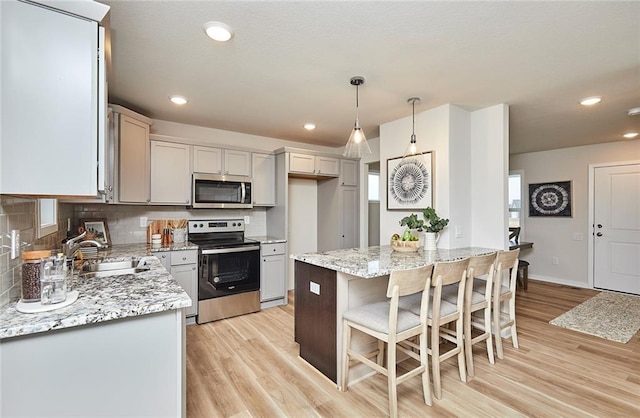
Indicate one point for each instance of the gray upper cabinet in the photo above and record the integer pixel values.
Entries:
(170, 173)
(348, 173)
(134, 148)
(264, 179)
(53, 102)
(313, 165)
(221, 161)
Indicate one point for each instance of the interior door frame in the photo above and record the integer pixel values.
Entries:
(590, 218)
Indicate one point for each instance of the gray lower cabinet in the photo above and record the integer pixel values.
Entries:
(183, 266)
(273, 286)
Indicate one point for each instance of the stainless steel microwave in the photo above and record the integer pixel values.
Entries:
(221, 192)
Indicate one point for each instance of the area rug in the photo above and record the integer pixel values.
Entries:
(610, 315)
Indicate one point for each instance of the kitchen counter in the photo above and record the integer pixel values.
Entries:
(120, 349)
(370, 262)
(329, 283)
(106, 298)
(267, 239)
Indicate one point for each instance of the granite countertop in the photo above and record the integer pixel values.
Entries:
(372, 262)
(106, 298)
(267, 239)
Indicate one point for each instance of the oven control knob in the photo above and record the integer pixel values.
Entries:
(216, 279)
(200, 225)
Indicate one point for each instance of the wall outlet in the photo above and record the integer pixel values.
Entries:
(314, 288)
(143, 222)
(247, 220)
(555, 261)
(458, 231)
(15, 243)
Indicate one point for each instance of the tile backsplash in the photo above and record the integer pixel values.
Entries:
(123, 221)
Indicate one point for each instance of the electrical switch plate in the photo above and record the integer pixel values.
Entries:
(555, 260)
(143, 222)
(577, 236)
(15, 243)
(458, 232)
(247, 220)
(314, 288)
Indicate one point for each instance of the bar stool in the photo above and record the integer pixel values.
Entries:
(506, 265)
(523, 274)
(390, 324)
(441, 313)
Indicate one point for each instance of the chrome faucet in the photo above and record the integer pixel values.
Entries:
(71, 247)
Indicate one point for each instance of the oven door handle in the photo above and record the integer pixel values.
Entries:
(231, 250)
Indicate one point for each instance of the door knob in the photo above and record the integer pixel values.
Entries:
(599, 225)
(599, 234)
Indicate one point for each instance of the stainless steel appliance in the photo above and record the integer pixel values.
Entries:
(221, 192)
(228, 269)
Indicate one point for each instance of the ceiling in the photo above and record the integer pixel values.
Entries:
(290, 63)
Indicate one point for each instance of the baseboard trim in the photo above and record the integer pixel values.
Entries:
(556, 280)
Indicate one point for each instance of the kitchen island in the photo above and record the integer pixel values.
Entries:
(119, 350)
(329, 283)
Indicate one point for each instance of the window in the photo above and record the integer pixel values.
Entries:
(515, 200)
(46, 217)
(374, 187)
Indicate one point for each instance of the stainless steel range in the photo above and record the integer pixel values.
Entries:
(229, 269)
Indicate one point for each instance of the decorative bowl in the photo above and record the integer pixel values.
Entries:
(405, 246)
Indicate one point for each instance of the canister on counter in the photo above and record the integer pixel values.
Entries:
(31, 274)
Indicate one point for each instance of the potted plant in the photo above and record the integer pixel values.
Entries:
(433, 225)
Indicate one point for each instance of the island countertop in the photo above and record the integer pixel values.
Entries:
(106, 298)
(369, 262)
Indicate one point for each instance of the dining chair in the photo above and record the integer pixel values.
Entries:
(390, 324)
(504, 290)
(441, 313)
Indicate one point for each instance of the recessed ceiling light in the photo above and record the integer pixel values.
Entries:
(590, 101)
(634, 111)
(218, 31)
(309, 126)
(630, 135)
(179, 100)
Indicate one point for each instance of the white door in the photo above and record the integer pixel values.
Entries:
(617, 228)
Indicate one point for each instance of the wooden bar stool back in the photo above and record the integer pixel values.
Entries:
(392, 325)
(477, 297)
(504, 290)
(443, 313)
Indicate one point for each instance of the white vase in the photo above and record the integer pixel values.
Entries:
(431, 241)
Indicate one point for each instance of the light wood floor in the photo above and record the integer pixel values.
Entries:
(248, 366)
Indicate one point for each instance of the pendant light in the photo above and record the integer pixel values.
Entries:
(412, 148)
(357, 145)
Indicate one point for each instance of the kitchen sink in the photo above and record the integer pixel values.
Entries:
(114, 268)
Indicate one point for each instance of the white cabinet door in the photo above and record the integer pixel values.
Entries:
(327, 166)
(302, 163)
(50, 95)
(170, 173)
(237, 163)
(349, 216)
(272, 285)
(165, 259)
(348, 173)
(134, 151)
(207, 160)
(187, 277)
(264, 179)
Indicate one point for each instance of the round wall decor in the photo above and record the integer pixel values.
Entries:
(550, 199)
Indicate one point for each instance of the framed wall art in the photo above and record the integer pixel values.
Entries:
(550, 199)
(97, 230)
(410, 182)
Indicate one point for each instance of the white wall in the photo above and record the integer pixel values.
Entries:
(303, 220)
(462, 175)
(374, 144)
(554, 237)
(490, 177)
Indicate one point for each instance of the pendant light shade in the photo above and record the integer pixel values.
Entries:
(357, 145)
(412, 149)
